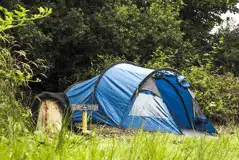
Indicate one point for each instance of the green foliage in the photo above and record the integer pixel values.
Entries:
(16, 70)
(136, 32)
(199, 17)
(152, 146)
(104, 61)
(81, 38)
(155, 33)
(19, 17)
(96, 67)
(217, 94)
(72, 37)
(14, 64)
(60, 41)
(226, 51)
(160, 60)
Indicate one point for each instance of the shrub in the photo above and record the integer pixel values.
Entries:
(15, 68)
(217, 94)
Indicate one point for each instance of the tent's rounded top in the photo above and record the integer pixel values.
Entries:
(160, 70)
(126, 66)
(133, 68)
(155, 72)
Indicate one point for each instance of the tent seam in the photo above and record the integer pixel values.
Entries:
(102, 74)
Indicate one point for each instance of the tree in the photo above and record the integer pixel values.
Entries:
(226, 51)
(77, 32)
(199, 17)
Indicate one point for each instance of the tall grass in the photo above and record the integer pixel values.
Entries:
(143, 145)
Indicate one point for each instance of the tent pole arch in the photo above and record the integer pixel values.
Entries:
(102, 74)
(141, 83)
(172, 70)
(150, 75)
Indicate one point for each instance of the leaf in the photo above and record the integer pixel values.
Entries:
(20, 14)
(41, 9)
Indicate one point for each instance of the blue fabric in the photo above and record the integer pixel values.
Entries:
(119, 84)
(163, 123)
(81, 93)
(202, 124)
(174, 102)
(114, 93)
(206, 127)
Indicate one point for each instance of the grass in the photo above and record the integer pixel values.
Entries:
(142, 145)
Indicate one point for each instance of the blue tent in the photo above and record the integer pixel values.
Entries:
(134, 97)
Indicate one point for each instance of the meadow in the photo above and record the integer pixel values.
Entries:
(34, 43)
(140, 145)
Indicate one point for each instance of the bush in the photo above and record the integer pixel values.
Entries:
(15, 69)
(217, 94)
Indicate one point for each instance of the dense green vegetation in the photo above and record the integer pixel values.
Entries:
(80, 38)
(141, 146)
(16, 70)
(51, 47)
